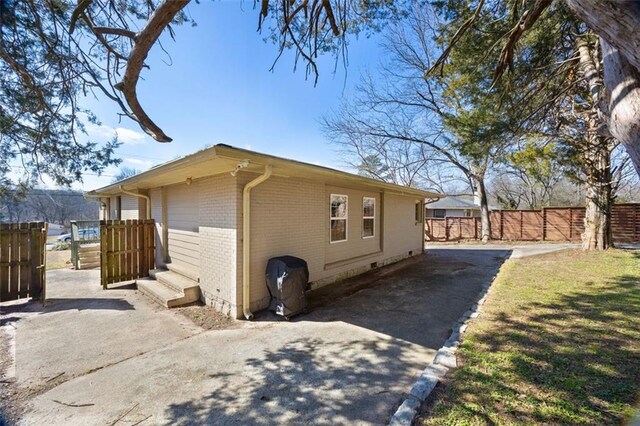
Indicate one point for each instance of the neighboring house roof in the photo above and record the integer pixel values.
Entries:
(454, 202)
(226, 159)
(457, 202)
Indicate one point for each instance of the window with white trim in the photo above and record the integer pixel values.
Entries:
(368, 217)
(338, 218)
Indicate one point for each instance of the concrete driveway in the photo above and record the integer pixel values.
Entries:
(105, 357)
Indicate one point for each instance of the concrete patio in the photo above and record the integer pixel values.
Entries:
(96, 357)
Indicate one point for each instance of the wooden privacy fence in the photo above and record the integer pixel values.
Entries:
(22, 260)
(127, 250)
(548, 224)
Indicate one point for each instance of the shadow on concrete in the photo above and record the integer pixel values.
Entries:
(416, 300)
(312, 380)
(295, 385)
(62, 304)
(127, 285)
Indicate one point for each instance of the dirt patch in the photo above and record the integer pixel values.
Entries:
(58, 259)
(207, 317)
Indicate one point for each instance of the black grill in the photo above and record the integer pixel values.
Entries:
(287, 280)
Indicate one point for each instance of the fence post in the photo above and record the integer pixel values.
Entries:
(104, 246)
(37, 263)
(44, 231)
(544, 224)
(23, 258)
(14, 259)
(475, 227)
(75, 241)
(570, 224)
(636, 218)
(501, 224)
(446, 229)
(5, 237)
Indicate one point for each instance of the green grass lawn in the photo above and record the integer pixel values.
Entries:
(558, 342)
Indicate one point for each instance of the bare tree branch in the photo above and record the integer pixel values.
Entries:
(528, 18)
(116, 31)
(145, 40)
(459, 33)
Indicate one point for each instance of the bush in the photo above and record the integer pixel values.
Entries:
(61, 246)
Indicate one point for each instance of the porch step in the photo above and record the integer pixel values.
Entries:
(183, 270)
(169, 288)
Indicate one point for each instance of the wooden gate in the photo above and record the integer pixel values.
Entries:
(127, 250)
(22, 260)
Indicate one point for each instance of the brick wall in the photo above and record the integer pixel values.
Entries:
(287, 218)
(290, 216)
(218, 220)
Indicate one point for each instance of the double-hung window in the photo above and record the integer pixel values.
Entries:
(338, 218)
(368, 217)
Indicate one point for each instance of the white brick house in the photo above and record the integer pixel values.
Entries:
(341, 224)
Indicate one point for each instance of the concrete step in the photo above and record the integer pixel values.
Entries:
(184, 271)
(157, 292)
(160, 293)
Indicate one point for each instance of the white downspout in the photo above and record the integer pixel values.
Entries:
(246, 240)
(146, 197)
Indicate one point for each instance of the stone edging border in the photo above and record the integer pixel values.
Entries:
(444, 361)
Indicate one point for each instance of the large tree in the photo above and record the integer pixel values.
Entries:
(617, 23)
(44, 74)
(556, 79)
(55, 52)
(455, 112)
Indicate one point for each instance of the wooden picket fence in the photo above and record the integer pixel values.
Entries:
(22, 260)
(127, 250)
(547, 224)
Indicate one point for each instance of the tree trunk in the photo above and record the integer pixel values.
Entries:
(622, 80)
(484, 208)
(596, 156)
(597, 219)
(617, 21)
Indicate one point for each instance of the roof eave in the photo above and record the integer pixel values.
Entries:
(256, 158)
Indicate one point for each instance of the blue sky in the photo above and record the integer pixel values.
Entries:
(218, 89)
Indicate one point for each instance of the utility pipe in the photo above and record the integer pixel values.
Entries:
(146, 197)
(246, 240)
